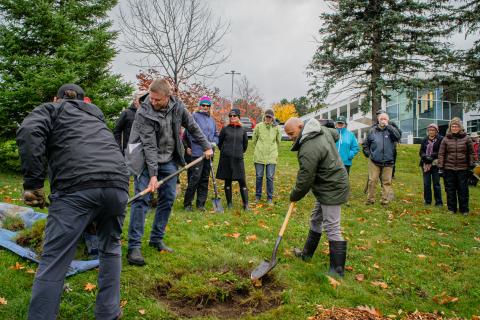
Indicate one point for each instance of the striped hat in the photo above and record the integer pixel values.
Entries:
(205, 100)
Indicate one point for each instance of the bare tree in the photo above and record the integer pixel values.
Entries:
(248, 92)
(178, 38)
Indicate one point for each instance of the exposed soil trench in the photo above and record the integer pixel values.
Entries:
(223, 294)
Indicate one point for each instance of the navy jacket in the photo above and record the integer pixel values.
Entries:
(380, 145)
(209, 129)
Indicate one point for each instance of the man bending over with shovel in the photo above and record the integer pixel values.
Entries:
(322, 171)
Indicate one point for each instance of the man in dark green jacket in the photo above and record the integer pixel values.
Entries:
(322, 171)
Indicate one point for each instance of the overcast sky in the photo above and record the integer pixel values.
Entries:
(271, 42)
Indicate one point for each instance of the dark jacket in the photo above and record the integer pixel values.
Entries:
(124, 126)
(424, 159)
(143, 144)
(379, 145)
(232, 143)
(74, 140)
(321, 168)
(209, 129)
(456, 152)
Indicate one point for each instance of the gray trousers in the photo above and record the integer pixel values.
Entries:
(326, 217)
(68, 216)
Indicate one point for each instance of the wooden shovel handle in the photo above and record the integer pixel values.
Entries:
(287, 217)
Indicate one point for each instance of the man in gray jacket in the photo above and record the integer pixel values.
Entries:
(154, 152)
(88, 183)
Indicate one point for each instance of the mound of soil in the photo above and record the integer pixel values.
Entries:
(224, 294)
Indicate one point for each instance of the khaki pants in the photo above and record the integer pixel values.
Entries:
(385, 174)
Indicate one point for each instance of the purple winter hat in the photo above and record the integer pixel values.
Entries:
(205, 100)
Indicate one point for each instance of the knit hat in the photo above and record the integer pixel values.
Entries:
(432, 125)
(234, 112)
(80, 94)
(205, 100)
(269, 112)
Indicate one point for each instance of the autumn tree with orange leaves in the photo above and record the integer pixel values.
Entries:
(283, 112)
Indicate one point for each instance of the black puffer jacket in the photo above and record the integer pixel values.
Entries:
(380, 145)
(74, 140)
(124, 126)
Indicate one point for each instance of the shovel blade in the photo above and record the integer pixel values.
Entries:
(263, 269)
(217, 205)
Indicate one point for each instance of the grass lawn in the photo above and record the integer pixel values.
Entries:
(401, 258)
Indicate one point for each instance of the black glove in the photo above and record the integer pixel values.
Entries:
(428, 159)
(35, 198)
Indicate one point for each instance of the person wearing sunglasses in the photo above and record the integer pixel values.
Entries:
(266, 141)
(232, 143)
(199, 174)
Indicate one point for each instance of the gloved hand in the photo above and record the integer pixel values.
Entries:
(428, 159)
(440, 172)
(35, 198)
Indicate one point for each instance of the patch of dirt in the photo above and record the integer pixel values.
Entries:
(369, 313)
(223, 294)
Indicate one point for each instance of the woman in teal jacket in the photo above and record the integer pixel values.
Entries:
(347, 144)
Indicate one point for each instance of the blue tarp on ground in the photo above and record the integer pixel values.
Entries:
(29, 217)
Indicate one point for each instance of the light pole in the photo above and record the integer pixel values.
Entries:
(233, 73)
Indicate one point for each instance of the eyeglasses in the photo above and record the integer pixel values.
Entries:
(267, 116)
(205, 105)
(232, 115)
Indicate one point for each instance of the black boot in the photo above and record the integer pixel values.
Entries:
(338, 255)
(134, 256)
(228, 196)
(244, 194)
(310, 246)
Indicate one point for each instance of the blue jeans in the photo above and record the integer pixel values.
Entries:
(259, 169)
(429, 178)
(138, 211)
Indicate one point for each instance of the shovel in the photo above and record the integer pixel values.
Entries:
(217, 203)
(176, 173)
(266, 266)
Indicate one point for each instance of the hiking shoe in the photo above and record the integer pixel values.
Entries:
(134, 256)
(201, 209)
(160, 246)
(188, 208)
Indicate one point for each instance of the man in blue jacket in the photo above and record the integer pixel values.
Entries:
(347, 144)
(199, 174)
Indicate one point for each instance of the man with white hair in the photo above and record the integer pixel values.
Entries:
(379, 147)
(124, 123)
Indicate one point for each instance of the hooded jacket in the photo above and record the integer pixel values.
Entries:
(266, 141)
(347, 146)
(144, 147)
(321, 168)
(72, 137)
(123, 126)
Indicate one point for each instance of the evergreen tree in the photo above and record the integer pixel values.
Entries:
(367, 47)
(46, 43)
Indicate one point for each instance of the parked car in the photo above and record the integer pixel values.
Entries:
(248, 126)
(285, 137)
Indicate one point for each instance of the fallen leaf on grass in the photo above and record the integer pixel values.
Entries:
(17, 266)
(475, 317)
(376, 266)
(232, 235)
(361, 248)
(477, 239)
(257, 283)
(142, 311)
(3, 301)
(408, 250)
(334, 283)
(250, 238)
(288, 253)
(370, 310)
(123, 303)
(444, 299)
(360, 277)
(189, 221)
(349, 268)
(89, 286)
(7, 199)
(30, 271)
(380, 284)
(421, 256)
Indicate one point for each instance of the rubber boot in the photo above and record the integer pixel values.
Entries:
(338, 255)
(244, 194)
(310, 246)
(228, 196)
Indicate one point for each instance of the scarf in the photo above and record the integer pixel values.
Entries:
(235, 124)
(431, 142)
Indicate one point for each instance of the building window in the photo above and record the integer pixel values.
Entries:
(353, 108)
(473, 126)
